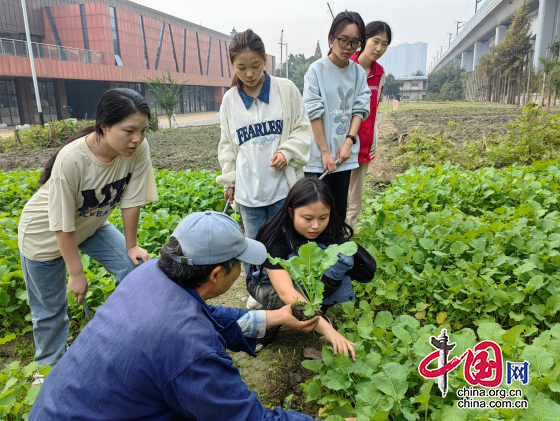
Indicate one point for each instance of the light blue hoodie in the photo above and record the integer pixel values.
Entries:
(335, 95)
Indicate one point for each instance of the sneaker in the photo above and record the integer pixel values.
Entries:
(262, 342)
(253, 304)
(259, 347)
(38, 379)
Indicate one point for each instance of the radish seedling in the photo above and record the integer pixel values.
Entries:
(307, 269)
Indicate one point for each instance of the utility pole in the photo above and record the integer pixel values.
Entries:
(330, 10)
(459, 25)
(450, 35)
(476, 5)
(287, 62)
(33, 73)
(281, 50)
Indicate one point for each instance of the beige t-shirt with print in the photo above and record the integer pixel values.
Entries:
(81, 194)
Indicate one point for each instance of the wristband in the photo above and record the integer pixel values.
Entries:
(353, 139)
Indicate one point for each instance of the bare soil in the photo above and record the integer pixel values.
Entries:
(179, 149)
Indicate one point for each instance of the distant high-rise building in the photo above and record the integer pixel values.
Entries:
(405, 59)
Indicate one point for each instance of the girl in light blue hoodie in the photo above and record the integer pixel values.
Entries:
(337, 99)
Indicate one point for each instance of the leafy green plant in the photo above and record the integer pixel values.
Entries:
(451, 124)
(17, 396)
(307, 269)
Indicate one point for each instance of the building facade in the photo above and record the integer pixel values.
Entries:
(404, 59)
(83, 48)
(415, 88)
(489, 25)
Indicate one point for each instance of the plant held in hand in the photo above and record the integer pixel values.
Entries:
(307, 269)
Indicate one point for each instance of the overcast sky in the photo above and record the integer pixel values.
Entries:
(307, 21)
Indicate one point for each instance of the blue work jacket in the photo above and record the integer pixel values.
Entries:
(154, 351)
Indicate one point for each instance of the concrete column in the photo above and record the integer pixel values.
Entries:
(470, 62)
(477, 53)
(492, 41)
(500, 33)
(486, 47)
(547, 10)
(464, 59)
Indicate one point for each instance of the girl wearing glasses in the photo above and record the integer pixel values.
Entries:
(337, 99)
(378, 38)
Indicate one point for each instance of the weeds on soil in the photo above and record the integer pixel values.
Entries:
(532, 137)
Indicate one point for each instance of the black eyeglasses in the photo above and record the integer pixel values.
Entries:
(346, 42)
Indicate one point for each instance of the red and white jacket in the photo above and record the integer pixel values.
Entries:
(368, 129)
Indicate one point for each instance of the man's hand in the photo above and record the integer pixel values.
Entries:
(138, 253)
(285, 317)
(229, 194)
(78, 285)
(279, 161)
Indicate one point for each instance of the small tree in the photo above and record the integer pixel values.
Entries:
(418, 73)
(445, 83)
(167, 92)
(392, 86)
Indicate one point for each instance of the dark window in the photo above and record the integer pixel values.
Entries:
(208, 60)
(199, 98)
(227, 59)
(198, 48)
(159, 44)
(144, 42)
(85, 31)
(55, 33)
(9, 104)
(49, 102)
(138, 87)
(221, 60)
(118, 60)
(173, 48)
(184, 50)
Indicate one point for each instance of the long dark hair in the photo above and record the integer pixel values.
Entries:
(305, 192)
(114, 106)
(243, 42)
(377, 27)
(341, 21)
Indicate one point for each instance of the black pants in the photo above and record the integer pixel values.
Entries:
(339, 184)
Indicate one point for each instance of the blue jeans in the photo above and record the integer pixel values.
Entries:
(254, 219)
(46, 290)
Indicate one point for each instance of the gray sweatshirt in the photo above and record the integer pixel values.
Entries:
(335, 95)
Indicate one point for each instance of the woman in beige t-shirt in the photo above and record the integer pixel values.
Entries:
(98, 168)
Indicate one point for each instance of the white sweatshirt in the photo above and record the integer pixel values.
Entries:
(250, 136)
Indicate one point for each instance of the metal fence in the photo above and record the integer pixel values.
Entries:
(11, 47)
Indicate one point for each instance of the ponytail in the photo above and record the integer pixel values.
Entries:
(50, 163)
(114, 106)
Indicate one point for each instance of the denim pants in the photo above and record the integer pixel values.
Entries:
(254, 218)
(46, 290)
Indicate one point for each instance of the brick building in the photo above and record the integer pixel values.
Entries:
(82, 48)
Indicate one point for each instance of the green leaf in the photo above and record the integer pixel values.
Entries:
(553, 303)
(427, 243)
(540, 409)
(7, 338)
(394, 252)
(29, 369)
(402, 334)
(365, 325)
(8, 400)
(4, 299)
(512, 335)
(336, 379)
(423, 398)
(31, 395)
(539, 358)
(383, 319)
(313, 392)
(458, 247)
(490, 331)
(313, 365)
(465, 339)
(392, 380)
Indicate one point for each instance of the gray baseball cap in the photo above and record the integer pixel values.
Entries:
(212, 237)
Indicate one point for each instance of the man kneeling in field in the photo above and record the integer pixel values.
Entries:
(156, 351)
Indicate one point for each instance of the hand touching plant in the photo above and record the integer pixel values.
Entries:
(307, 269)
